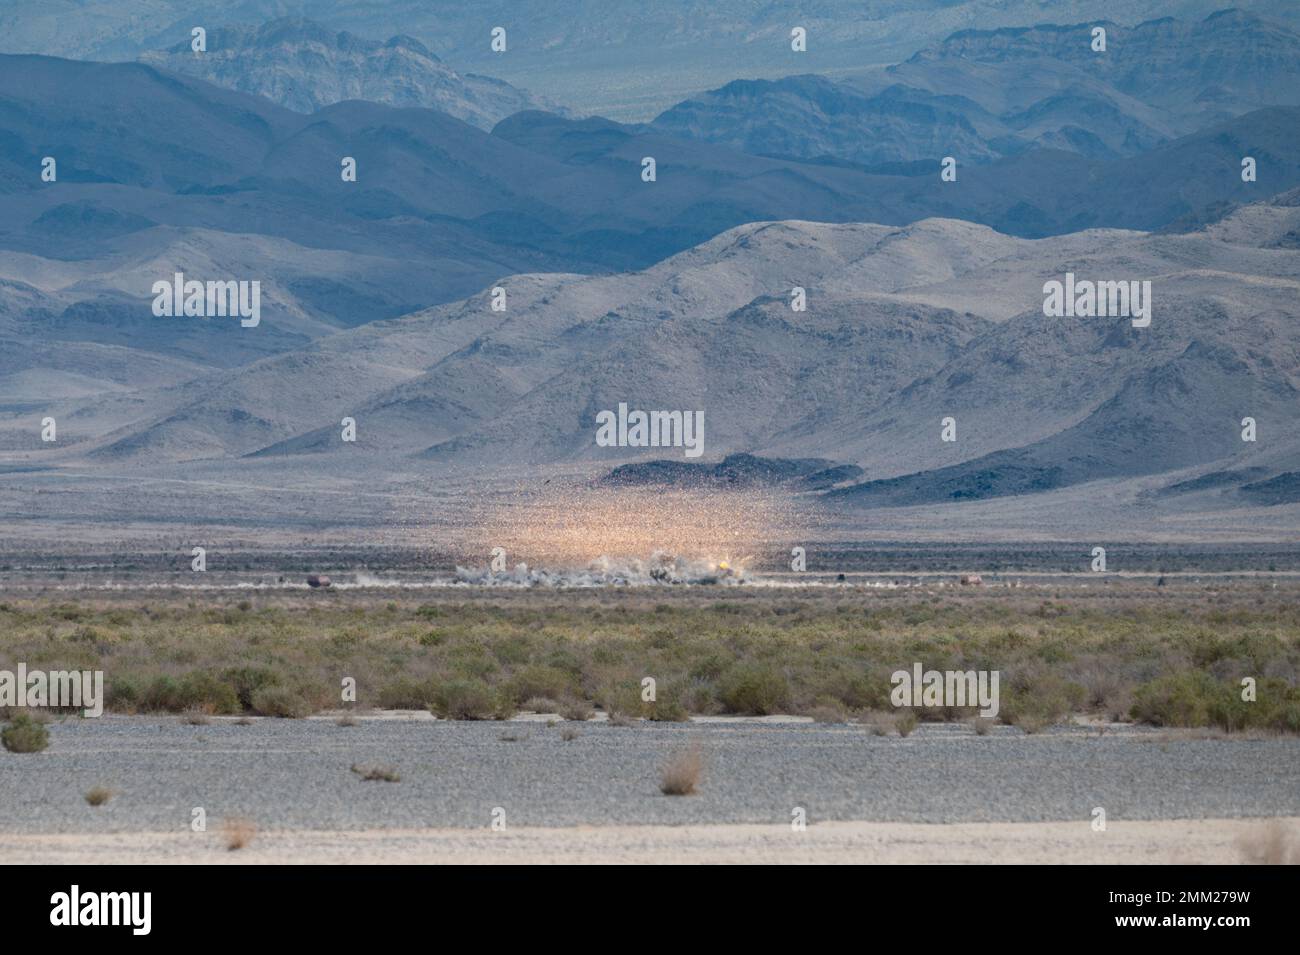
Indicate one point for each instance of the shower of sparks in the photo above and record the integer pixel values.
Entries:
(574, 525)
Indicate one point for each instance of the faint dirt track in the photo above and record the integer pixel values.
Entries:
(1204, 841)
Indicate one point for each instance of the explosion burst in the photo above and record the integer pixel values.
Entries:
(625, 534)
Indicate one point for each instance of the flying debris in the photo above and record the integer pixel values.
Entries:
(660, 568)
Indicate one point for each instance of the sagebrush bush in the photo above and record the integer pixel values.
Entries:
(196, 690)
(280, 701)
(827, 710)
(407, 694)
(469, 700)
(1194, 699)
(667, 708)
(850, 689)
(623, 699)
(25, 735)
(576, 710)
(754, 689)
(247, 680)
(1035, 697)
(540, 680)
(1181, 699)
(681, 773)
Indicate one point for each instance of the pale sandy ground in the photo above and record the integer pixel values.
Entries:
(1220, 841)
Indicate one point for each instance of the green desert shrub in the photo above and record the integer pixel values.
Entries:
(1036, 698)
(407, 694)
(1276, 707)
(1287, 717)
(1178, 699)
(666, 708)
(577, 710)
(122, 694)
(25, 735)
(247, 680)
(843, 682)
(540, 680)
(162, 693)
(469, 700)
(623, 698)
(754, 689)
(1197, 699)
(280, 701)
(196, 690)
(827, 709)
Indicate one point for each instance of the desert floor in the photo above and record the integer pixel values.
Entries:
(1200, 841)
(942, 794)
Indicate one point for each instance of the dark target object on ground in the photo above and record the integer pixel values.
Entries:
(318, 580)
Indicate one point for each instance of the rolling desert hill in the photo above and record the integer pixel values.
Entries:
(861, 379)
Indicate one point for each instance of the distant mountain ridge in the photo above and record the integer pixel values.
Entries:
(303, 66)
(139, 148)
(984, 94)
(810, 117)
(625, 59)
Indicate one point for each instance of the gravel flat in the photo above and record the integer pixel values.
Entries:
(1182, 842)
(296, 775)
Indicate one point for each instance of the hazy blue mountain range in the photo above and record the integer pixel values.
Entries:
(138, 147)
(925, 297)
(1231, 60)
(810, 117)
(984, 94)
(304, 66)
(627, 59)
(159, 173)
